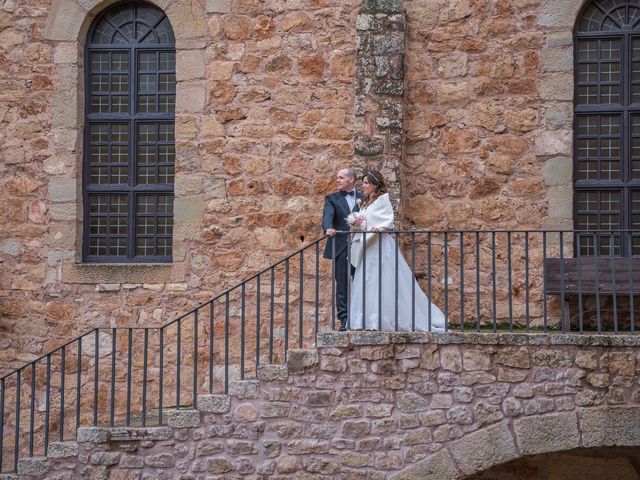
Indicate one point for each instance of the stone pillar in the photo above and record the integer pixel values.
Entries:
(379, 109)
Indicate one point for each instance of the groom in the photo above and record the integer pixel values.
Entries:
(337, 207)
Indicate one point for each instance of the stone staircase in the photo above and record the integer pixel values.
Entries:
(381, 406)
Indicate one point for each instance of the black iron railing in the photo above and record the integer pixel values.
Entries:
(481, 280)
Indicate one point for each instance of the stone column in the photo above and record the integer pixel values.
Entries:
(379, 109)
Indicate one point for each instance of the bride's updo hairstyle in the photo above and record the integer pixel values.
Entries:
(377, 180)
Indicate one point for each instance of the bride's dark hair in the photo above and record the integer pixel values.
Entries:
(377, 180)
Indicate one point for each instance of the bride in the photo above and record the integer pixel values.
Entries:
(364, 312)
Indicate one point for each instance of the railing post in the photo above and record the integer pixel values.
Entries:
(195, 359)
(2, 388)
(462, 316)
(211, 338)
(16, 446)
(114, 333)
(62, 368)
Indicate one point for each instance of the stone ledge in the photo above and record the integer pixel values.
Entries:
(370, 338)
(62, 449)
(244, 389)
(92, 435)
(214, 403)
(125, 434)
(184, 419)
(351, 338)
(332, 339)
(121, 273)
(267, 373)
(34, 466)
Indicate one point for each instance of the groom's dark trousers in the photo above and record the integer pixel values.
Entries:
(334, 215)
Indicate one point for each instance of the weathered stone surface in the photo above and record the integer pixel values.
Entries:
(547, 433)
(184, 419)
(214, 403)
(62, 449)
(298, 360)
(484, 448)
(609, 426)
(33, 466)
(92, 435)
(436, 467)
(244, 389)
(273, 372)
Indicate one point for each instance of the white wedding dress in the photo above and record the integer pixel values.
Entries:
(366, 314)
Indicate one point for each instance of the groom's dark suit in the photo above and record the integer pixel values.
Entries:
(334, 215)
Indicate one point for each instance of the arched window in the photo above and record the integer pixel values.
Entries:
(607, 126)
(129, 161)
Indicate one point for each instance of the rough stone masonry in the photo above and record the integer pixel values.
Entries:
(374, 405)
(467, 104)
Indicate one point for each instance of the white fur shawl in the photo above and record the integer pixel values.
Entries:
(380, 215)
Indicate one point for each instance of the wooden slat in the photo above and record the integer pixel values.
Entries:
(627, 275)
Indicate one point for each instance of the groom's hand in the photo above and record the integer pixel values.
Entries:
(331, 232)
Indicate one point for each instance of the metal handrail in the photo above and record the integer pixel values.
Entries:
(480, 279)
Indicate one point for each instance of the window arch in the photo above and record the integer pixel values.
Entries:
(129, 162)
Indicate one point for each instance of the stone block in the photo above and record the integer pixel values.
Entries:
(62, 449)
(410, 337)
(369, 338)
(558, 13)
(557, 86)
(482, 449)
(268, 373)
(560, 202)
(190, 64)
(62, 211)
(439, 466)
(64, 21)
(558, 171)
(555, 142)
(191, 98)
(184, 419)
(332, 339)
(189, 209)
(610, 426)
(62, 189)
(300, 359)
(548, 433)
(214, 403)
(35, 466)
(560, 39)
(92, 434)
(218, 6)
(557, 59)
(244, 389)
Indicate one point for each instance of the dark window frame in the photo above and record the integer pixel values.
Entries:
(133, 119)
(626, 184)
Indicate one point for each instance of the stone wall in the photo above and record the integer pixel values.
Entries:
(373, 405)
(264, 109)
(489, 90)
(266, 113)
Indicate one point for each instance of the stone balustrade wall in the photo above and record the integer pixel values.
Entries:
(372, 405)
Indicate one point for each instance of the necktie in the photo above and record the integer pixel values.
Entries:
(352, 193)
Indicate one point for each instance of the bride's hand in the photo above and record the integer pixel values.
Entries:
(378, 229)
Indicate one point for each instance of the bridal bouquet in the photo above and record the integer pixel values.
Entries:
(357, 221)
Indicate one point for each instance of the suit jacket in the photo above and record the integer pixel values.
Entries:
(334, 215)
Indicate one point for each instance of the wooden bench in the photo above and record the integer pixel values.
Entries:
(579, 275)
